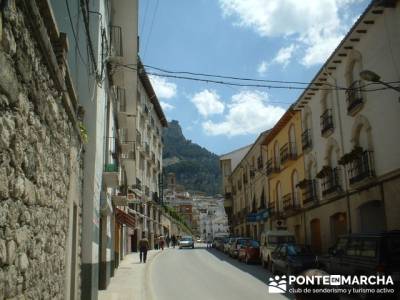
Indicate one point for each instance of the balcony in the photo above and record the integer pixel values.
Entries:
(326, 123)
(252, 173)
(289, 203)
(120, 102)
(272, 208)
(147, 148)
(116, 43)
(310, 192)
(330, 183)
(119, 200)
(271, 168)
(354, 98)
(288, 152)
(111, 175)
(138, 137)
(362, 167)
(306, 140)
(259, 163)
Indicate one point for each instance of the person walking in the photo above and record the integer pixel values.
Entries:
(167, 240)
(144, 247)
(162, 242)
(173, 240)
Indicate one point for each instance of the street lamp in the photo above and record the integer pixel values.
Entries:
(373, 77)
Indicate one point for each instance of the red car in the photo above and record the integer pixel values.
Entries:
(249, 251)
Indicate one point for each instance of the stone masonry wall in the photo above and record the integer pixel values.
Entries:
(36, 138)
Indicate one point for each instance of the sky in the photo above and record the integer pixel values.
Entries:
(285, 40)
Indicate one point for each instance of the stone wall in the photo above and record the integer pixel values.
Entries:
(37, 139)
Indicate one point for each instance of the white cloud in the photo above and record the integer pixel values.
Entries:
(163, 88)
(208, 102)
(316, 25)
(262, 68)
(166, 106)
(248, 113)
(284, 55)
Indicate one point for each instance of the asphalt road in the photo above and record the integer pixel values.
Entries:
(200, 273)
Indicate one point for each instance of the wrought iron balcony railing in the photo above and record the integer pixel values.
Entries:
(326, 122)
(306, 140)
(354, 97)
(330, 183)
(362, 167)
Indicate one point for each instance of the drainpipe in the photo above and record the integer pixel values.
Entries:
(342, 144)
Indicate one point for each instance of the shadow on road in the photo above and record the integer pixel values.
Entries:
(255, 270)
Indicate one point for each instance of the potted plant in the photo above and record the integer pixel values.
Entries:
(325, 171)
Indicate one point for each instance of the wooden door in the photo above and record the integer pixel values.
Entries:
(315, 227)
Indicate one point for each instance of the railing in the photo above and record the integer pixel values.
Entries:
(116, 40)
(259, 163)
(272, 208)
(326, 121)
(111, 168)
(288, 152)
(330, 183)
(306, 140)
(353, 96)
(362, 167)
(120, 98)
(271, 168)
(310, 191)
(287, 201)
(252, 173)
(138, 137)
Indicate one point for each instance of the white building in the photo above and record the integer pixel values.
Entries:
(350, 135)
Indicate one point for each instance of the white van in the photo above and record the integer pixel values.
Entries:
(269, 241)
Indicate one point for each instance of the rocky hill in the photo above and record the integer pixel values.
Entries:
(195, 167)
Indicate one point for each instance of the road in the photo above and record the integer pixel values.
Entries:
(200, 273)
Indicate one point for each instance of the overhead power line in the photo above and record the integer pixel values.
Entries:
(256, 85)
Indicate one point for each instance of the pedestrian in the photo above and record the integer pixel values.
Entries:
(173, 240)
(156, 242)
(167, 240)
(162, 242)
(143, 246)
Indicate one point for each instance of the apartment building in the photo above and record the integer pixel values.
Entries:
(284, 170)
(350, 133)
(228, 163)
(150, 120)
(249, 191)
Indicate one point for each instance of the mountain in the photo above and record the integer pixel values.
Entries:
(195, 167)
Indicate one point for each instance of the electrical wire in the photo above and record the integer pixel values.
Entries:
(74, 35)
(228, 83)
(151, 28)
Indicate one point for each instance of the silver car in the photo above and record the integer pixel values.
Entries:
(186, 242)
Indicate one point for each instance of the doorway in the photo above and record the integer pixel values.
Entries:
(315, 228)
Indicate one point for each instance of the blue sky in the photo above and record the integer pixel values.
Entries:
(264, 39)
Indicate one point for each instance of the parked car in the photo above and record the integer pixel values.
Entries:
(227, 244)
(366, 254)
(249, 251)
(221, 245)
(236, 244)
(292, 259)
(218, 241)
(186, 242)
(269, 241)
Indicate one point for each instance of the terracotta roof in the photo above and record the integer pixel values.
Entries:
(279, 125)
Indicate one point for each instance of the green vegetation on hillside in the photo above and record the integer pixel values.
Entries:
(196, 167)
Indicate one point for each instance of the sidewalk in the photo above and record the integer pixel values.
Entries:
(128, 282)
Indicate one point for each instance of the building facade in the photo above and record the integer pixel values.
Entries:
(352, 160)
(284, 170)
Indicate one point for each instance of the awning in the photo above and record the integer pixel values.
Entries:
(124, 218)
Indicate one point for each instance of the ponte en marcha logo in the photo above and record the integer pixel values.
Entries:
(331, 284)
